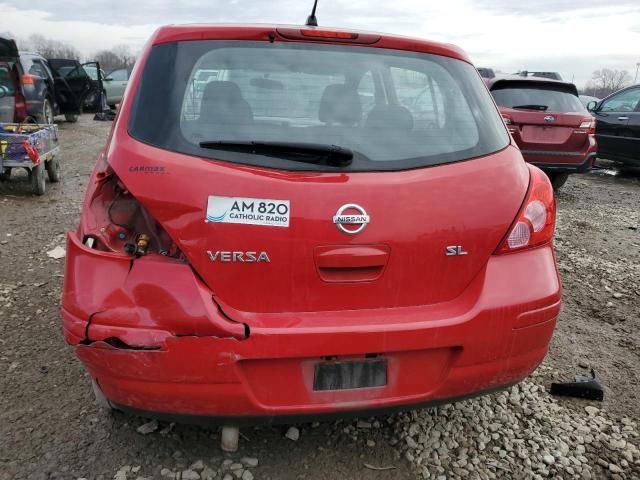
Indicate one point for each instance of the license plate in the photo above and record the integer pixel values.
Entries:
(349, 375)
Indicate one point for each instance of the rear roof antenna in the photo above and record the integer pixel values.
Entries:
(312, 21)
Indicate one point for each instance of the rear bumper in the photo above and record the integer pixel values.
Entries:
(175, 354)
(561, 162)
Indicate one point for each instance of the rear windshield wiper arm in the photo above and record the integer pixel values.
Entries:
(542, 108)
(316, 153)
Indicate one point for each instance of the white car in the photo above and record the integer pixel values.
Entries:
(114, 83)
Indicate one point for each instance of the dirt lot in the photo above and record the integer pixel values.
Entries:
(50, 427)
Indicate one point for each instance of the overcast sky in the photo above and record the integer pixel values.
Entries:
(573, 37)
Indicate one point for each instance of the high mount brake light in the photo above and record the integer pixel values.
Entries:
(320, 35)
(329, 34)
(535, 223)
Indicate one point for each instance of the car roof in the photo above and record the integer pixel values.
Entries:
(492, 82)
(175, 33)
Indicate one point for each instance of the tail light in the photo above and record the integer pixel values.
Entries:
(508, 122)
(20, 107)
(28, 79)
(116, 222)
(588, 124)
(535, 223)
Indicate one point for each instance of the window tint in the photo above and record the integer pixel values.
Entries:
(623, 102)
(38, 69)
(555, 99)
(394, 110)
(118, 75)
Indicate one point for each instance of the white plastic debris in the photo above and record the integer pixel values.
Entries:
(57, 253)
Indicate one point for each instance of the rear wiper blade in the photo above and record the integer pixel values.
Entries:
(316, 153)
(542, 108)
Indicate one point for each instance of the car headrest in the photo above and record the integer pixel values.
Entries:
(393, 117)
(340, 104)
(222, 102)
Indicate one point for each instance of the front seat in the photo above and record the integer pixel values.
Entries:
(223, 104)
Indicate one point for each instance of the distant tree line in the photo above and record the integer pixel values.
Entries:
(50, 48)
(119, 56)
(605, 81)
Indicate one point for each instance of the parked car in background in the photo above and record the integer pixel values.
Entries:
(38, 86)
(618, 126)
(115, 83)
(549, 123)
(12, 103)
(587, 99)
(277, 247)
(486, 72)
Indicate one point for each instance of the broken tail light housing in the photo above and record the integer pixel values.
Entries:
(116, 222)
(535, 223)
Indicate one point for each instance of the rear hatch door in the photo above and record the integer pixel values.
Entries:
(8, 81)
(430, 231)
(8, 50)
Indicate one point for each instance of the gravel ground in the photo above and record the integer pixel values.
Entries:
(50, 428)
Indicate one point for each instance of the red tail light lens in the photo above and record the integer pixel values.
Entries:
(28, 79)
(589, 124)
(116, 222)
(536, 220)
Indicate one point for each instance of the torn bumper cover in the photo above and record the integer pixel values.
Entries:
(164, 346)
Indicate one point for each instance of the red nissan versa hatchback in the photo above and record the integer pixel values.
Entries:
(294, 221)
(549, 123)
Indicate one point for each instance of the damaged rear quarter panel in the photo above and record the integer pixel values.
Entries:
(139, 301)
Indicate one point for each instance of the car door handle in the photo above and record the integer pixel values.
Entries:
(623, 118)
(351, 263)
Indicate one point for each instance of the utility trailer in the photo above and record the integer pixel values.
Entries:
(32, 147)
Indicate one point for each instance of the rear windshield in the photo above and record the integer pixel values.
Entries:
(553, 98)
(394, 110)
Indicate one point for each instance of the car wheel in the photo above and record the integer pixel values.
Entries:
(558, 179)
(53, 170)
(38, 185)
(71, 117)
(6, 174)
(47, 112)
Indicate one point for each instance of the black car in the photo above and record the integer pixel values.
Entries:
(618, 126)
(72, 86)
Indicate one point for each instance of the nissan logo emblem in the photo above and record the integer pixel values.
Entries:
(351, 215)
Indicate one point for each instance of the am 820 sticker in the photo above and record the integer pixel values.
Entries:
(248, 211)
